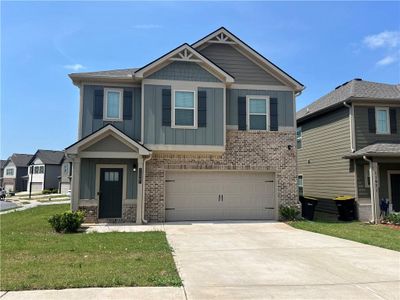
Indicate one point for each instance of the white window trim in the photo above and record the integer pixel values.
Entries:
(366, 175)
(9, 175)
(387, 119)
(38, 166)
(299, 138)
(121, 104)
(266, 98)
(173, 125)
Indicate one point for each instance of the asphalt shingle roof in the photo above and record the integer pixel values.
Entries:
(118, 73)
(20, 160)
(353, 89)
(377, 149)
(49, 157)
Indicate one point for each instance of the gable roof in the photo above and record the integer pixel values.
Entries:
(349, 91)
(2, 163)
(189, 52)
(20, 160)
(378, 149)
(49, 157)
(223, 35)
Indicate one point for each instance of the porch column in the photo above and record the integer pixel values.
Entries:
(76, 172)
(374, 191)
(139, 200)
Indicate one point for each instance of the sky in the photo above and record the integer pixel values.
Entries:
(321, 44)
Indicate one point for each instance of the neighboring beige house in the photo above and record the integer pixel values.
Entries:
(205, 132)
(15, 171)
(349, 144)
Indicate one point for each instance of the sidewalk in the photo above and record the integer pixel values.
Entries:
(122, 293)
(34, 204)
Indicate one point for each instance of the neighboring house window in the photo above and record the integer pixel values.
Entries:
(367, 178)
(257, 116)
(10, 172)
(38, 170)
(299, 138)
(113, 104)
(300, 185)
(382, 120)
(65, 169)
(184, 113)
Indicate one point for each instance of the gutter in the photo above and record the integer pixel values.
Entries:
(144, 189)
(351, 126)
(372, 192)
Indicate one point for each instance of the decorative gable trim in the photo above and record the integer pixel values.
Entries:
(223, 36)
(187, 54)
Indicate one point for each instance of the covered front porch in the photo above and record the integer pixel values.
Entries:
(108, 170)
(378, 180)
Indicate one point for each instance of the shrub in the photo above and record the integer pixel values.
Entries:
(393, 218)
(49, 191)
(44, 192)
(289, 213)
(68, 221)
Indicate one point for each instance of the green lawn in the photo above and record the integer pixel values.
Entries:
(34, 257)
(376, 235)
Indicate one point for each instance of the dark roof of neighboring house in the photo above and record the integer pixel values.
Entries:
(378, 149)
(2, 163)
(20, 160)
(351, 90)
(49, 157)
(118, 73)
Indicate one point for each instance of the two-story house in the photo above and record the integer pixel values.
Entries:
(205, 132)
(45, 170)
(15, 171)
(349, 144)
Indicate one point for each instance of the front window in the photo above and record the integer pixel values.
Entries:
(300, 185)
(184, 109)
(367, 177)
(38, 170)
(10, 172)
(257, 108)
(113, 104)
(299, 138)
(382, 120)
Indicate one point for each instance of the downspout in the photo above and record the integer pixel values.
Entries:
(351, 126)
(371, 187)
(144, 188)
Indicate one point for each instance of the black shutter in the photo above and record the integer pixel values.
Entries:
(128, 101)
(202, 109)
(98, 104)
(371, 120)
(393, 121)
(242, 113)
(273, 106)
(166, 107)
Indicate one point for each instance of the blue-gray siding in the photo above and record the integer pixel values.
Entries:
(239, 66)
(186, 71)
(155, 133)
(88, 176)
(51, 176)
(285, 105)
(131, 127)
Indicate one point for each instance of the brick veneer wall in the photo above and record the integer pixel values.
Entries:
(91, 213)
(245, 150)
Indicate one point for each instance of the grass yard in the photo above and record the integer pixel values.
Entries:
(376, 235)
(34, 257)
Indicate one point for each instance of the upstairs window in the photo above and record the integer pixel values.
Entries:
(299, 138)
(382, 120)
(257, 116)
(113, 104)
(10, 172)
(300, 185)
(38, 169)
(184, 109)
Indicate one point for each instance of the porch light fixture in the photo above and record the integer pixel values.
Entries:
(134, 168)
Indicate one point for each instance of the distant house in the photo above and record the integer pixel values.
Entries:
(348, 143)
(2, 164)
(15, 171)
(45, 170)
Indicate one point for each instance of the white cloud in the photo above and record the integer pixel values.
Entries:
(387, 60)
(75, 67)
(385, 39)
(147, 26)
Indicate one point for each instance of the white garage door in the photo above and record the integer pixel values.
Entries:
(36, 187)
(9, 187)
(214, 195)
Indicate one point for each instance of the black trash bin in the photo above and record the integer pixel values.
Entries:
(308, 205)
(346, 208)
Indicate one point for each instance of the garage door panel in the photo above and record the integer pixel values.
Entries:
(194, 195)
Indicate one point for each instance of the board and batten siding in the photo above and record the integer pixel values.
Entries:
(88, 177)
(239, 66)
(362, 135)
(132, 127)
(186, 71)
(285, 105)
(156, 133)
(326, 139)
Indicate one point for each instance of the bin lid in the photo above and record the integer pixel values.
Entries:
(309, 198)
(344, 197)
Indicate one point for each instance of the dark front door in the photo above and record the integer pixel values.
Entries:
(395, 185)
(110, 205)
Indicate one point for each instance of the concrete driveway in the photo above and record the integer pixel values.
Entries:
(255, 260)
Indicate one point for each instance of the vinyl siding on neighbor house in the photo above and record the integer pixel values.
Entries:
(51, 176)
(132, 127)
(237, 65)
(362, 134)
(285, 105)
(326, 139)
(155, 133)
